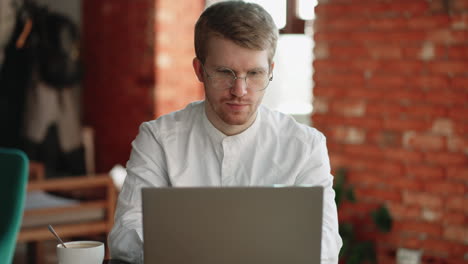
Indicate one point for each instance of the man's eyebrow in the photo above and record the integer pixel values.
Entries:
(259, 68)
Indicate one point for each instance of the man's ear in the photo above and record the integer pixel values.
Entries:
(197, 67)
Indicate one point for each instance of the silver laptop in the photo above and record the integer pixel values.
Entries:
(246, 225)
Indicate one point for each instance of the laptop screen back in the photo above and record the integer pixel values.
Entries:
(232, 225)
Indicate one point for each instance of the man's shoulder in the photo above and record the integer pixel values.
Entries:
(178, 119)
(287, 127)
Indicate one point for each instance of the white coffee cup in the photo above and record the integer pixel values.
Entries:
(79, 252)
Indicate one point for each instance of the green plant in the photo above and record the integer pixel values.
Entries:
(355, 251)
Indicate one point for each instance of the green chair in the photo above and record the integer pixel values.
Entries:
(14, 176)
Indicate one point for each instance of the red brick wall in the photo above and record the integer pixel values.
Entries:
(176, 82)
(391, 94)
(137, 57)
(118, 53)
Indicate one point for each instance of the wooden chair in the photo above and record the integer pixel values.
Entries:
(86, 209)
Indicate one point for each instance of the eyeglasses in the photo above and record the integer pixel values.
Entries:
(224, 78)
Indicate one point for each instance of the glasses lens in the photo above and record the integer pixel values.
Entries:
(223, 79)
(258, 81)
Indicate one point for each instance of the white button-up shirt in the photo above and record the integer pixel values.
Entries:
(184, 149)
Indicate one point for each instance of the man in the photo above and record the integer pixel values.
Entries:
(229, 139)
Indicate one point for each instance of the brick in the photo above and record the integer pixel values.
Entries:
(426, 111)
(377, 195)
(446, 159)
(369, 9)
(422, 199)
(457, 204)
(446, 37)
(359, 209)
(458, 173)
(385, 167)
(409, 67)
(404, 183)
(347, 52)
(438, 246)
(442, 126)
(384, 109)
(454, 218)
(365, 151)
(456, 233)
(332, 37)
(409, 241)
(429, 81)
(451, 67)
(411, 8)
(385, 138)
(349, 135)
(321, 51)
(405, 95)
(363, 178)
(329, 120)
(420, 227)
(431, 215)
(363, 122)
(446, 97)
(365, 94)
(403, 155)
(338, 80)
(404, 212)
(444, 188)
(459, 37)
(325, 10)
(460, 82)
(429, 22)
(461, 129)
(349, 107)
(328, 91)
(402, 37)
(460, 5)
(418, 141)
(338, 160)
(458, 52)
(391, 23)
(380, 81)
(460, 21)
(426, 172)
(458, 114)
(424, 51)
(384, 52)
(320, 105)
(417, 125)
(341, 24)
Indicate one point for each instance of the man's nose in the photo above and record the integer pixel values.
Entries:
(239, 87)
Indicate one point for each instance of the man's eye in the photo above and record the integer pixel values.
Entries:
(224, 72)
(256, 73)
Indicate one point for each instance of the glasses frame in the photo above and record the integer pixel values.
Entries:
(235, 77)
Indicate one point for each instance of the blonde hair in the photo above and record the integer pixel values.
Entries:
(246, 24)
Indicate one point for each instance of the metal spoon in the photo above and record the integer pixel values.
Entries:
(51, 229)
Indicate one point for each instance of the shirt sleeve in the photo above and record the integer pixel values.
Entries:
(145, 168)
(317, 172)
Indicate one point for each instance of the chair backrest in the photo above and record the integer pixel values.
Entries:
(14, 177)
